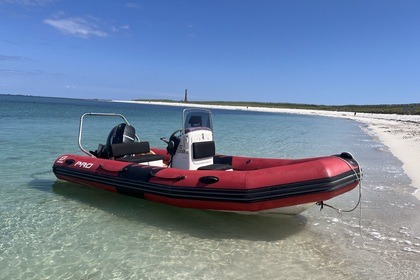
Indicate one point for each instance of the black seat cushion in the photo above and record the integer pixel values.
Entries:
(203, 149)
(123, 149)
(136, 152)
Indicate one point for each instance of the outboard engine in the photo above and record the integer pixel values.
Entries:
(122, 133)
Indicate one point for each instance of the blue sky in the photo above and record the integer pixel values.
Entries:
(301, 51)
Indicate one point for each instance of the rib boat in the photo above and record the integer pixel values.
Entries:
(189, 173)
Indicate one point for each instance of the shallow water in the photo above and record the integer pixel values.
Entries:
(51, 229)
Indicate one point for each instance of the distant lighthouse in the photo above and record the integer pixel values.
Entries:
(186, 96)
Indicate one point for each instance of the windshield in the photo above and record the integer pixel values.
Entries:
(197, 119)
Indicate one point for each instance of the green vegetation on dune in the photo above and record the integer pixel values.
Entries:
(401, 109)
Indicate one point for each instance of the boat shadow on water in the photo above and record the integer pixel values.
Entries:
(197, 223)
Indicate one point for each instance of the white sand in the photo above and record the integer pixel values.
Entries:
(400, 133)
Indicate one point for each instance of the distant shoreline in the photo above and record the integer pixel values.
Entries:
(400, 133)
(401, 109)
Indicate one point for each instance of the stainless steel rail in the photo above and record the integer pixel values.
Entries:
(97, 115)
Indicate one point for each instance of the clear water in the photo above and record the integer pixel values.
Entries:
(51, 229)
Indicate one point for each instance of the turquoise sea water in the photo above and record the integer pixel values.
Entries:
(51, 229)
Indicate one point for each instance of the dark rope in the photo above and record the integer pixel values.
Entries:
(322, 203)
(359, 202)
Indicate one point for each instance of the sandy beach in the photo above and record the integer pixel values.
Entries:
(400, 133)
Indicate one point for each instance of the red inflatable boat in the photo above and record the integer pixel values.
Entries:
(190, 174)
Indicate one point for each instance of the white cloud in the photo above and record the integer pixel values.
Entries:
(133, 5)
(40, 3)
(19, 72)
(119, 28)
(77, 26)
(13, 58)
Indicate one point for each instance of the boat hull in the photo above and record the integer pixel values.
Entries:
(255, 185)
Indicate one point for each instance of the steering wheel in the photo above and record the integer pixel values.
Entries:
(173, 135)
(173, 142)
